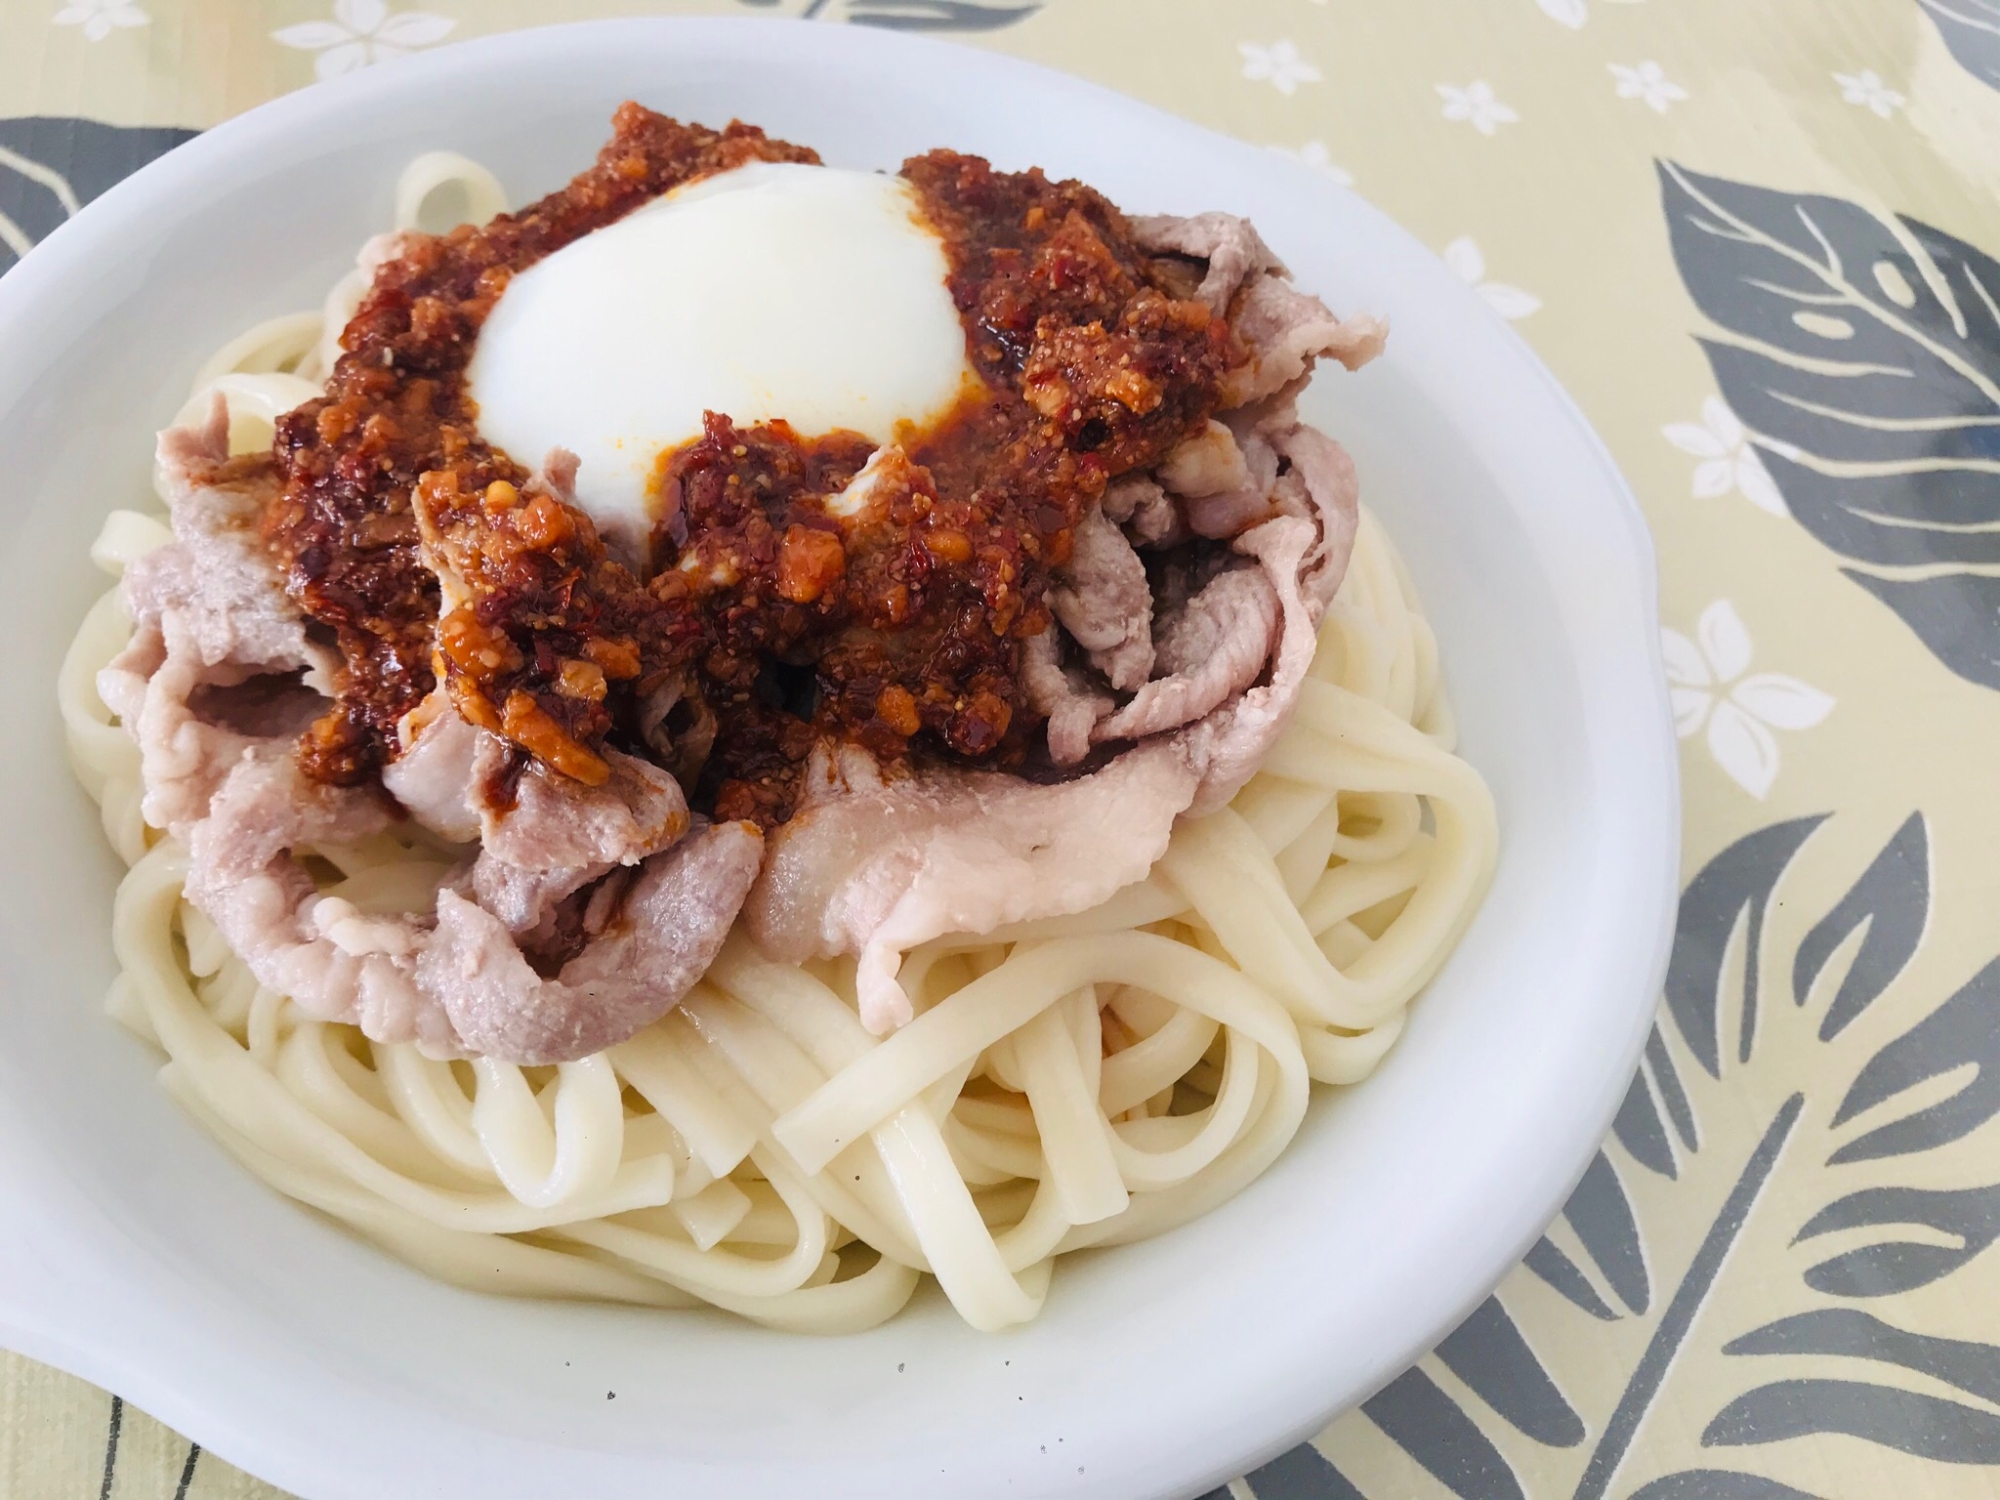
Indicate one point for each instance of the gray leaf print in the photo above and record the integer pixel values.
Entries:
(1971, 1215)
(1971, 29)
(1718, 1484)
(1965, 1029)
(1974, 1368)
(51, 167)
(1654, 1102)
(938, 15)
(1737, 881)
(1434, 1430)
(1865, 355)
(1739, 917)
(1301, 1474)
(1642, 1130)
(1602, 1216)
(1897, 519)
(915, 15)
(1487, 1352)
(1651, 1373)
(1548, 1261)
(1956, 615)
(1889, 903)
(1928, 1426)
(1659, 1065)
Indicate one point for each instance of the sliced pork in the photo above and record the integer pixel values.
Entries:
(1228, 637)
(1283, 328)
(450, 779)
(458, 981)
(1212, 650)
(1230, 743)
(1226, 487)
(876, 863)
(558, 836)
(1231, 250)
(668, 929)
(1322, 488)
(334, 961)
(1064, 695)
(219, 658)
(554, 822)
(1142, 508)
(434, 776)
(1209, 463)
(1286, 330)
(1104, 602)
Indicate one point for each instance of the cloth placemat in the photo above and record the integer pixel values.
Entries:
(1756, 239)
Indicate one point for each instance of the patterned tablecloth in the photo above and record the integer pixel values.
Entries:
(1757, 240)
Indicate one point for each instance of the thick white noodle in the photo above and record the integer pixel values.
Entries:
(441, 189)
(1082, 1081)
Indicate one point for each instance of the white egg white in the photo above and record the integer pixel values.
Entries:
(812, 294)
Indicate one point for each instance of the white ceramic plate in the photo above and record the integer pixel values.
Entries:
(134, 1252)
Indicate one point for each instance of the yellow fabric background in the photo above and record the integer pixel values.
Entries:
(1563, 205)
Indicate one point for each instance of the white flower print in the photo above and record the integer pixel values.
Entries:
(1468, 263)
(1708, 687)
(1280, 63)
(1647, 81)
(362, 32)
(1314, 154)
(99, 18)
(1729, 460)
(1867, 89)
(1475, 102)
(1573, 13)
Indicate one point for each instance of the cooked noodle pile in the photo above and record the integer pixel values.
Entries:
(1078, 1081)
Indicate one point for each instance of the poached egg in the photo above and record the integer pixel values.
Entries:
(776, 290)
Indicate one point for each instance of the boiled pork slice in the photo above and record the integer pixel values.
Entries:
(335, 962)
(1063, 695)
(219, 660)
(668, 929)
(1283, 328)
(457, 981)
(1103, 601)
(873, 863)
(1212, 650)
